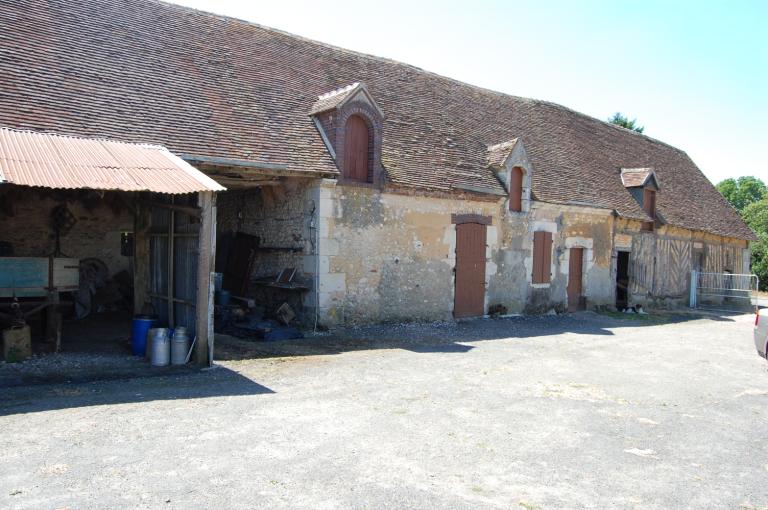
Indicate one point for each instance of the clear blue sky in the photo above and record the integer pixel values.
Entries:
(695, 74)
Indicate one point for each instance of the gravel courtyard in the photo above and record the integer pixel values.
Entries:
(577, 411)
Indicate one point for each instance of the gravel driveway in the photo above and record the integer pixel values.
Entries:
(579, 411)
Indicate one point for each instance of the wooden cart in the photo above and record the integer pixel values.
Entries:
(38, 283)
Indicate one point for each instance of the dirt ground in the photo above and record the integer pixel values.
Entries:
(576, 411)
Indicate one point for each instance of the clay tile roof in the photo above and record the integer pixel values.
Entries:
(498, 154)
(635, 177)
(51, 161)
(206, 85)
(331, 100)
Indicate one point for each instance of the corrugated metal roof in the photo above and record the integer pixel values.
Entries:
(52, 161)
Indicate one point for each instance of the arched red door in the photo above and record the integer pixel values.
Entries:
(356, 149)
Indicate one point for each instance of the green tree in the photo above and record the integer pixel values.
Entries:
(756, 216)
(743, 191)
(621, 120)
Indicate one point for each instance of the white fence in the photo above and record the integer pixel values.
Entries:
(723, 291)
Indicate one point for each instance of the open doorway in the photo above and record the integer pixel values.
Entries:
(622, 280)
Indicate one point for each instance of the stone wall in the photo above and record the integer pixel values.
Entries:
(281, 217)
(571, 227)
(388, 257)
(96, 233)
(391, 257)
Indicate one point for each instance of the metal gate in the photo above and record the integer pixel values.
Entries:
(723, 291)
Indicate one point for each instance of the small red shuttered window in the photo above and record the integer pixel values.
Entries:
(516, 190)
(542, 257)
(356, 149)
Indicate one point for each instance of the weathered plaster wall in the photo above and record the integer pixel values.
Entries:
(571, 227)
(96, 233)
(378, 257)
(390, 257)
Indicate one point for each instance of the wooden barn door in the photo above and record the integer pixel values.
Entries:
(356, 149)
(575, 278)
(469, 300)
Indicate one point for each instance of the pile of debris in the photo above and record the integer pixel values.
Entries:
(245, 320)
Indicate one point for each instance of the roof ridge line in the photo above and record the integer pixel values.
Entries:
(417, 68)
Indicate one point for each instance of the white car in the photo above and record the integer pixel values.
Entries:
(761, 332)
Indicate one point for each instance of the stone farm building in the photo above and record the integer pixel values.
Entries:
(394, 193)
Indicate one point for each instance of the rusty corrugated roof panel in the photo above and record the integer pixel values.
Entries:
(52, 161)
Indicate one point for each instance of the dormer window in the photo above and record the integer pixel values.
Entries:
(643, 184)
(357, 150)
(350, 125)
(649, 206)
(516, 189)
(509, 162)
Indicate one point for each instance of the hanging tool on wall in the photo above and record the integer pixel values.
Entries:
(62, 221)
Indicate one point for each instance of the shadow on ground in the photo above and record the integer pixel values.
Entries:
(216, 382)
(445, 337)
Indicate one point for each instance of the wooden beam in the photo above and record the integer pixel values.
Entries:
(141, 224)
(206, 260)
(192, 211)
(237, 182)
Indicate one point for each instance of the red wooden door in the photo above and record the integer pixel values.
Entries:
(356, 149)
(576, 260)
(469, 299)
(516, 190)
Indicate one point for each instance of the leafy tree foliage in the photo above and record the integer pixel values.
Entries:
(623, 121)
(743, 191)
(756, 216)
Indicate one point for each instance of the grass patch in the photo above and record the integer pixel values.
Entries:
(649, 318)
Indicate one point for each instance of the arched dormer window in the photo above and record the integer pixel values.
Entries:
(350, 125)
(509, 161)
(357, 150)
(516, 189)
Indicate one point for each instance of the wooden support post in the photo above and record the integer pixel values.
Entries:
(141, 224)
(53, 320)
(205, 269)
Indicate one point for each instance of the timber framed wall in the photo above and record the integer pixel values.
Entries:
(660, 262)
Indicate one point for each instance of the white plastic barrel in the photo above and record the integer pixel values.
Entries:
(160, 347)
(179, 346)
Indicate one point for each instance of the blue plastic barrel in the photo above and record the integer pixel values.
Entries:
(224, 297)
(139, 330)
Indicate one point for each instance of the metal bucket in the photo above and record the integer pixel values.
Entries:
(179, 346)
(159, 347)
